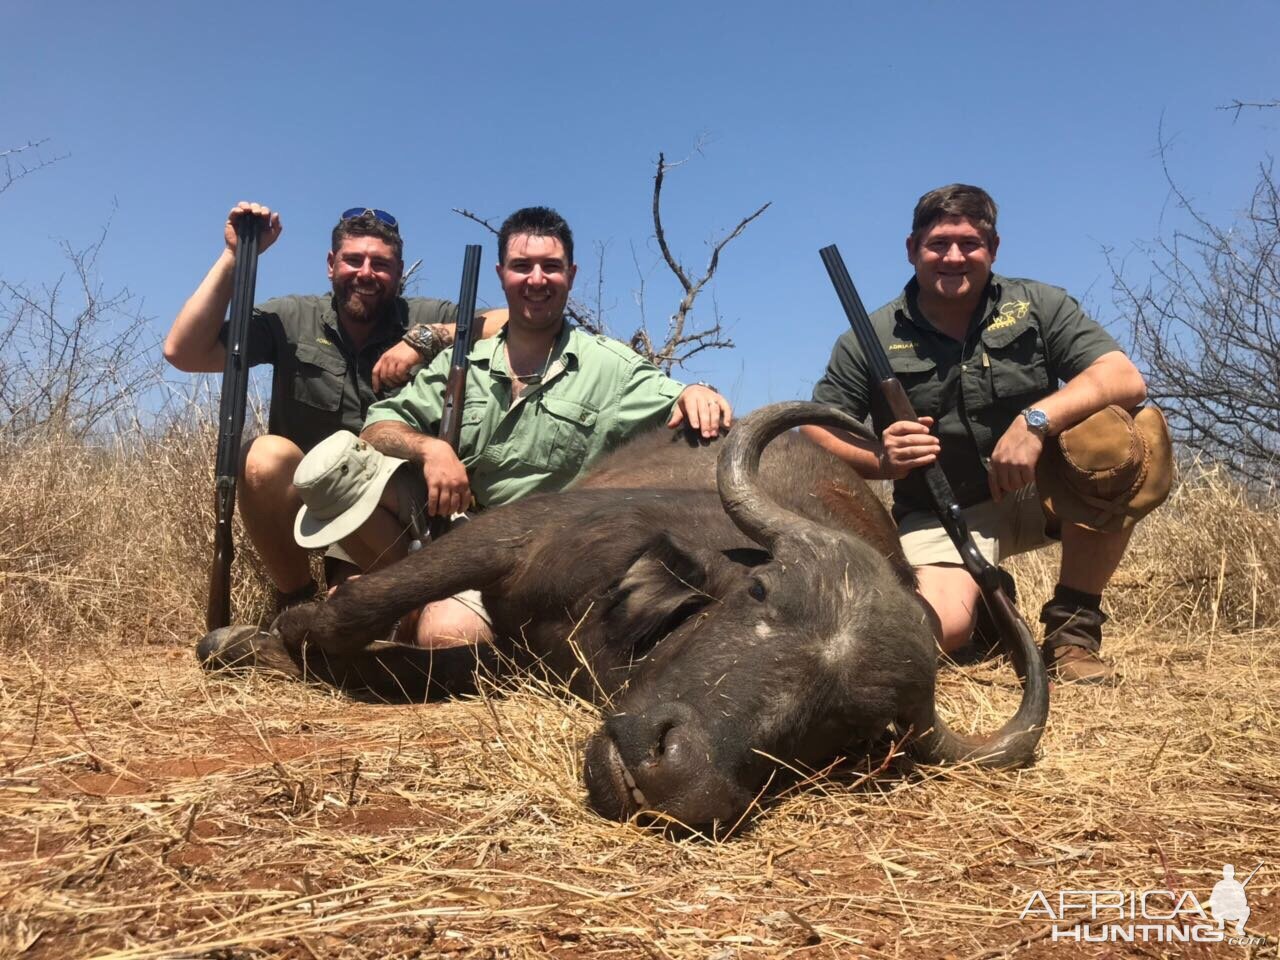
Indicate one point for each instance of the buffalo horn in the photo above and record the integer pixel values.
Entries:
(755, 514)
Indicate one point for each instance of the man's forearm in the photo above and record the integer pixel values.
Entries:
(865, 456)
(398, 440)
(1111, 379)
(192, 344)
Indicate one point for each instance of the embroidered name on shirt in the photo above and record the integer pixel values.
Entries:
(909, 345)
(323, 342)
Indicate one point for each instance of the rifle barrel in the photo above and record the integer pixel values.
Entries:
(231, 407)
(455, 388)
(857, 313)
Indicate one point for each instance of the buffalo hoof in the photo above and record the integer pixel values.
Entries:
(241, 649)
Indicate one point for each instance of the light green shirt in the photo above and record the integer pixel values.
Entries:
(595, 394)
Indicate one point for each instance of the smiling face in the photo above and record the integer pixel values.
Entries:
(536, 276)
(365, 273)
(953, 259)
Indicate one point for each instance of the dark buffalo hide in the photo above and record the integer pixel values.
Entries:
(727, 622)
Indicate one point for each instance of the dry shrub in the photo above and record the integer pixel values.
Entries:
(112, 541)
(1207, 561)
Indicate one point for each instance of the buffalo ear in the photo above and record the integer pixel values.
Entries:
(660, 588)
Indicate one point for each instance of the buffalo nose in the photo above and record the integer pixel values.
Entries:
(645, 736)
(667, 760)
(661, 748)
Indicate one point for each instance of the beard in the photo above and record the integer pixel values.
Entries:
(350, 305)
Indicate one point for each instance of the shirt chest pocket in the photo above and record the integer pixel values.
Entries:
(470, 428)
(321, 377)
(1015, 365)
(565, 429)
(919, 377)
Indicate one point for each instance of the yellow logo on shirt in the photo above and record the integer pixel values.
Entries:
(909, 345)
(323, 342)
(1009, 314)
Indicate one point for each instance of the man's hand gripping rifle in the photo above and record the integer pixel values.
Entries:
(1014, 633)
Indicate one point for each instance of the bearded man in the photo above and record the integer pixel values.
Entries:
(332, 357)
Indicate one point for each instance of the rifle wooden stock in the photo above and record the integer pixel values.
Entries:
(1005, 614)
(235, 387)
(455, 388)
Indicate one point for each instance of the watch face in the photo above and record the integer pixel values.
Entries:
(1036, 419)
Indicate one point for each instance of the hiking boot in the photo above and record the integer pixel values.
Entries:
(1072, 639)
(244, 648)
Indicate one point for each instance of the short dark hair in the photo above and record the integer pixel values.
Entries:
(367, 225)
(955, 200)
(537, 222)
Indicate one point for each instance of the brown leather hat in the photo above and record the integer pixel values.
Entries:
(1108, 471)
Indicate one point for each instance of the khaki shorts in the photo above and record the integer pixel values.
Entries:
(1014, 525)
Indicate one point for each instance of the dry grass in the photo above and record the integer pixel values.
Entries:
(147, 810)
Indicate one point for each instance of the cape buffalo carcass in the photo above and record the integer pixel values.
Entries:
(773, 621)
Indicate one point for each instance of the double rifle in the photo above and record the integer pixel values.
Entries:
(235, 388)
(455, 387)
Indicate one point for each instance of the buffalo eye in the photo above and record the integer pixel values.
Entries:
(756, 591)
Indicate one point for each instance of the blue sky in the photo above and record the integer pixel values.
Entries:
(840, 113)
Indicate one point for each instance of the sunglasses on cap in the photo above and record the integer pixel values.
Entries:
(382, 215)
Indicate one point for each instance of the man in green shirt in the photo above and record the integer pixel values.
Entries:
(543, 401)
(332, 356)
(994, 367)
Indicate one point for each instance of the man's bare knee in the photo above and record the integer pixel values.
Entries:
(269, 463)
(953, 596)
(450, 623)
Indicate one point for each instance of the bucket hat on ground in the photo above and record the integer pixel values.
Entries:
(1108, 471)
(340, 480)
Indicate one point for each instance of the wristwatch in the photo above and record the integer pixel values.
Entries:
(1037, 421)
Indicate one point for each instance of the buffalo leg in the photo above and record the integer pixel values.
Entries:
(366, 608)
(398, 674)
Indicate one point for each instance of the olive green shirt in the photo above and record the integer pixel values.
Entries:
(321, 383)
(1026, 338)
(595, 394)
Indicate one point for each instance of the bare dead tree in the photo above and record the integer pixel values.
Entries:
(73, 358)
(682, 339)
(1207, 326)
(19, 162)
